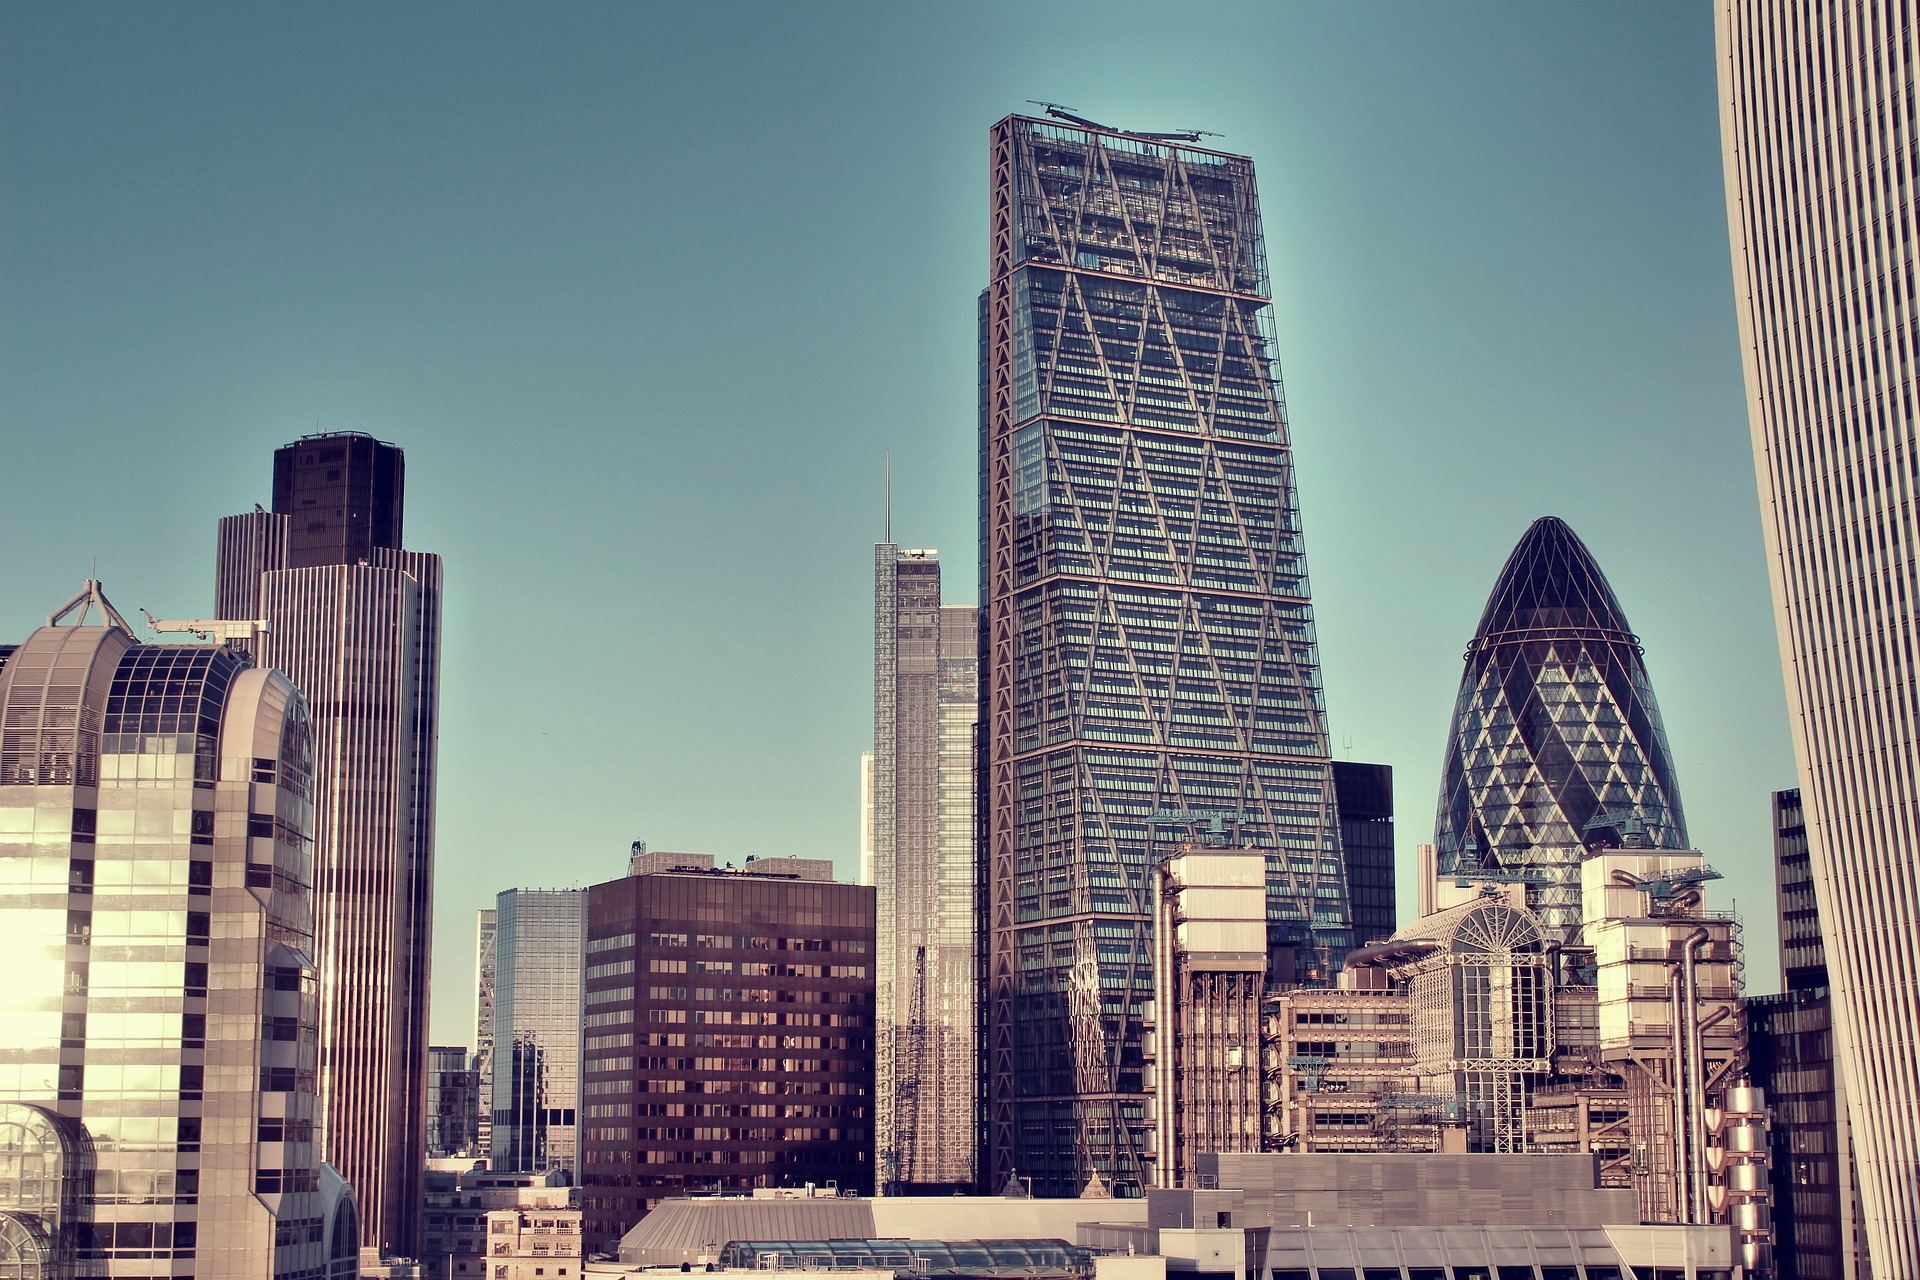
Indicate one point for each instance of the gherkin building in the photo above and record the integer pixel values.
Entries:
(1556, 742)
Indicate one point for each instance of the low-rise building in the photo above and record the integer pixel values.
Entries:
(459, 1197)
(533, 1243)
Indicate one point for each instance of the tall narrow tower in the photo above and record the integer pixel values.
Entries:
(925, 694)
(355, 621)
(1147, 647)
(1820, 136)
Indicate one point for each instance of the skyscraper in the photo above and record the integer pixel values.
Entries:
(453, 1103)
(1555, 727)
(157, 1000)
(925, 696)
(355, 621)
(729, 1034)
(483, 962)
(1147, 643)
(1821, 143)
(536, 1028)
(1365, 795)
(1815, 1197)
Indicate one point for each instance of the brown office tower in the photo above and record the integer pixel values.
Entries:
(727, 1037)
(355, 621)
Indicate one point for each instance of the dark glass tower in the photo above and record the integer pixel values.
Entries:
(1554, 728)
(1147, 644)
(343, 494)
(1365, 793)
(1818, 1231)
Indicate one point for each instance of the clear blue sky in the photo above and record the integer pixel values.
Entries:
(645, 291)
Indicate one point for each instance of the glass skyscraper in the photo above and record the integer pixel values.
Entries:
(158, 1010)
(483, 959)
(1820, 135)
(355, 621)
(1555, 727)
(536, 1028)
(925, 696)
(1147, 642)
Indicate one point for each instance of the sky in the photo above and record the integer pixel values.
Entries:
(648, 293)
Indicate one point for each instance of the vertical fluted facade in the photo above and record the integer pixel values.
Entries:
(355, 621)
(1818, 132)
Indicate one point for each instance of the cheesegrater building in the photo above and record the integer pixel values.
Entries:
(1555, 727)
(1820, 139)
(1147, 644)
(355, 621)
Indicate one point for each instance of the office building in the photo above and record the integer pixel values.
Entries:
(728, 1037)
(1555, 726)
(1147, 644)
(1816, 1202)
(1364, 801)
(453, 1103)
(1209, 975)
(1817, 131)
(1282, 1217)
(483, 963)
(925, 697)
(159, 1010)
(1480, 1004)
(460, 1197)
(355, 621)
(538, 939)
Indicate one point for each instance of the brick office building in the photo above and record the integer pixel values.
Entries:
(727, 1037)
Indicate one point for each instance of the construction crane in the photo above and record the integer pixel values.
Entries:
(1215, 820)
(1630, 827)
(1665, 887)
(907, 1087)
(1059, 112)
(210, 628)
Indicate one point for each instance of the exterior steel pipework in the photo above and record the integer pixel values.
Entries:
(1820, 136)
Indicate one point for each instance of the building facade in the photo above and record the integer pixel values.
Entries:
(728, 1039)
(483, 964)
(158, 1110)
(1364, 795)
(453, 1103)
(1818, 135)
(1815, 1194)
(538, 954)
(1209, 977)
(1147, 642)
(1555, 726)
(355, 621)
(925, 697)
(459, 1199)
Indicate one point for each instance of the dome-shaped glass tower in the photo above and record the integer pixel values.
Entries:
(1555, 727)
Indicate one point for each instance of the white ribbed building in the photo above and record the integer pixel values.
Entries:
(1818, 126)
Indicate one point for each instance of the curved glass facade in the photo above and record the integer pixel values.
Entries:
(1555, 726)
